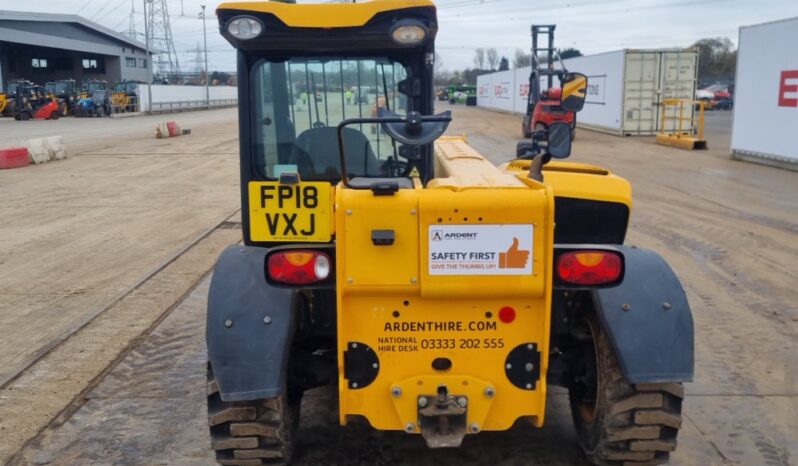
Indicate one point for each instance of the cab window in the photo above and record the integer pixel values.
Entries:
(298, 104)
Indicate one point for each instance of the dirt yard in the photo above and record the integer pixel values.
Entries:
(128, 233)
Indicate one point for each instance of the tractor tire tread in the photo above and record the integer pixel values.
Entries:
(654, 462)
(257, 432)
(675, 389)
(641, 421)
(652, 445)
(232, 413)
(228, 443)
(239, 462)
(617, 434)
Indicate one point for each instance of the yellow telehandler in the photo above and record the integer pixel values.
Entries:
(440, 294)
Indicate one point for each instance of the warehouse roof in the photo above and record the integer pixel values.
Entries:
(49, 35)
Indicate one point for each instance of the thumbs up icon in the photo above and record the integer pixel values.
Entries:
(514, 258)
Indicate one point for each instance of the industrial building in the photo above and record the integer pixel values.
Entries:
(43, 47)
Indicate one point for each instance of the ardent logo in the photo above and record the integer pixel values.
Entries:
(439, 235)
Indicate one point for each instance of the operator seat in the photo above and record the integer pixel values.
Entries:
(317, 156)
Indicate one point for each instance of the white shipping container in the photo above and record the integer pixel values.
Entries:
(625, 88)
(766, 94)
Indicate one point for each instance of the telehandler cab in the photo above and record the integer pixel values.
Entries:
(440, 294)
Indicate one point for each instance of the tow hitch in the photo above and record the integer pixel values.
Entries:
(442, 418)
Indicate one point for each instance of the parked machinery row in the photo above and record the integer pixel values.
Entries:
(25, 100)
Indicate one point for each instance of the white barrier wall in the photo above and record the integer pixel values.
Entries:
(766, 94)
(164, 94)
(503, 84)
(484, 86)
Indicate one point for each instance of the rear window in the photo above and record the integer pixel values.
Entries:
(301, 101)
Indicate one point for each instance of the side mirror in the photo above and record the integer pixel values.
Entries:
(574, 91)
(559, 146)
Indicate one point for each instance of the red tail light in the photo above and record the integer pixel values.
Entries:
(299, 267)
(589, 267)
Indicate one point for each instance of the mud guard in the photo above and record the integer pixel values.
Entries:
(250, 325)
(648, 320)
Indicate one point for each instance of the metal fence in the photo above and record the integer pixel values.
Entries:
(189, 105)
(124, 103)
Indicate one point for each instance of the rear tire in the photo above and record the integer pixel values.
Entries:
(24, 116)
(619, 423)
(249, 433)
(55, 114)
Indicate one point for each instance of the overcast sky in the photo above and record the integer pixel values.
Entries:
(592, 26)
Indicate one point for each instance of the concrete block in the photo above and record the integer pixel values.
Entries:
(39, 153)
(55, 145)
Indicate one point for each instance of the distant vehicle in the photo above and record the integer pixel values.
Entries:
(543, 107)
(94, 85)
(709, 104)
(724, 94)
(8, 98)
(34, 102)
(67, 91)
(123, 98)
(704, 94)
(460, 94)
(724, 103)
(98, 104)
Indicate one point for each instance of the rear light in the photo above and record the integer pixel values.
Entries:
(589, 267)
(299, 267)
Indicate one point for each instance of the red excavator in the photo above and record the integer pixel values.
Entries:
(543, 107)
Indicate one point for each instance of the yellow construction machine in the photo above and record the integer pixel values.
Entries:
(440, 294)
(124, 97)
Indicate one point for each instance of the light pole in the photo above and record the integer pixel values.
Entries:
(207, 75)
(149, 57)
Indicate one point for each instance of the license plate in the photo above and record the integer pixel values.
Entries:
(290, 212)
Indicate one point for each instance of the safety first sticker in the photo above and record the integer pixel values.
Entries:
(480, 249)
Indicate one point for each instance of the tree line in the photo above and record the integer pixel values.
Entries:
(487, 60)
(717, 61)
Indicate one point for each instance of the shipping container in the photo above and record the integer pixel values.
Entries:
(766, 94)
(625, 88)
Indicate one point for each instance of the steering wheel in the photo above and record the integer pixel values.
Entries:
(395, 168)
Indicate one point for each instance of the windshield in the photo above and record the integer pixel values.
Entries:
(301, 101)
